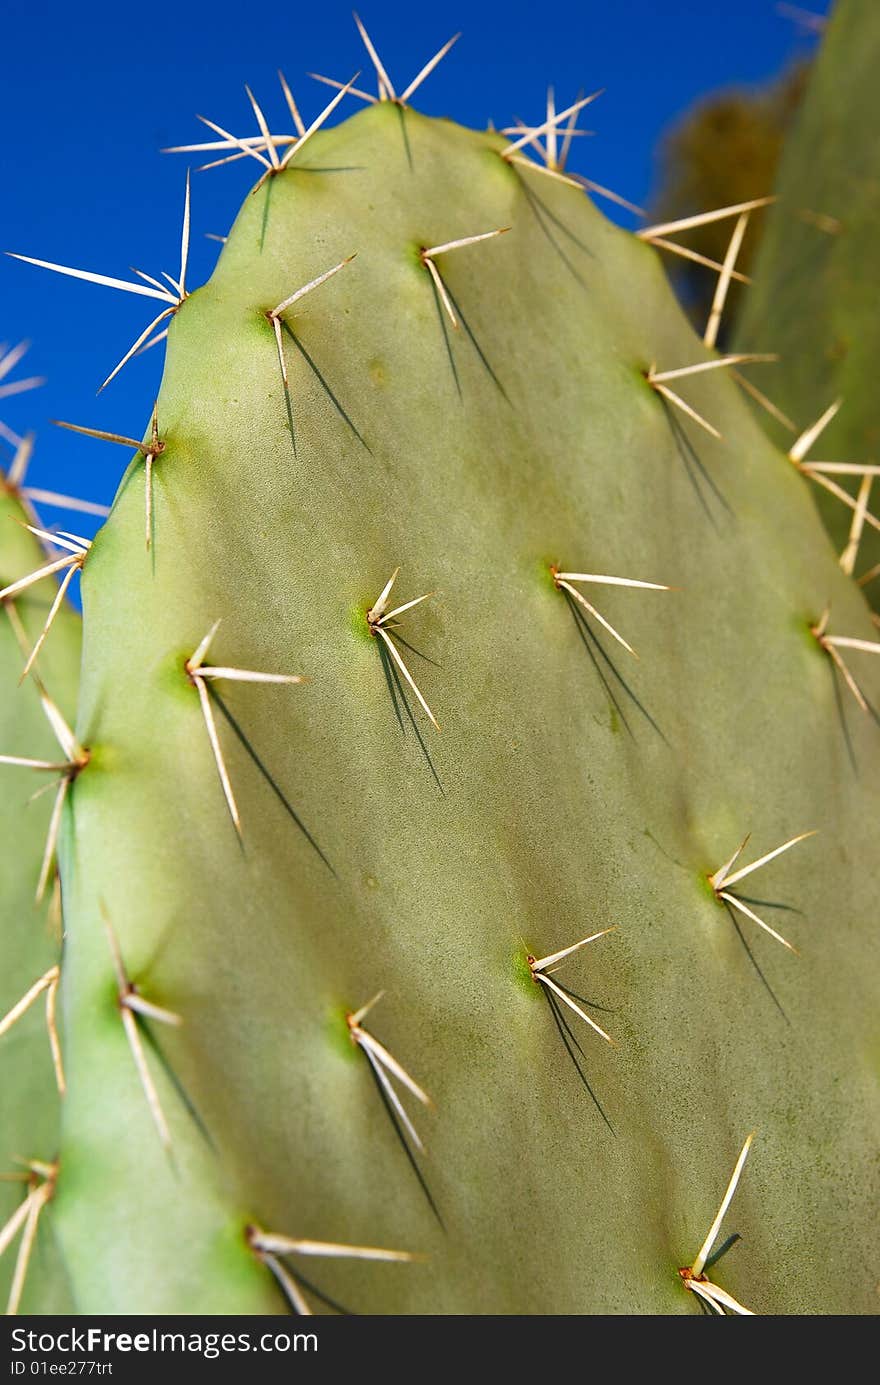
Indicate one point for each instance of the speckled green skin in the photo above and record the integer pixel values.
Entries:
(555, 821)
(31, 933)
(811, 298)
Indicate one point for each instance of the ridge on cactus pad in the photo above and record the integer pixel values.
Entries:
(482, 413)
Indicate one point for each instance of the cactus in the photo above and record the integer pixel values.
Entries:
(808, 300)
(360, 1014)
(32, 1068)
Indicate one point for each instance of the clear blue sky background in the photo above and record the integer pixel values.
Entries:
(92, 91)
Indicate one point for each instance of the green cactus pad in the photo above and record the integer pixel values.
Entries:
(572, 789)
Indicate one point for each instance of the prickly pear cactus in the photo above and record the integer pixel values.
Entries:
(247, 864)
(808, 301)
(29, 1079)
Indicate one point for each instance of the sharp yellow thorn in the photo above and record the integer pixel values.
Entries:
(548, 172)
(706, 1248)
(687, 254)
(843, 496)
(291, 104)
(737, 903)
(65, 502)
(11, 1229)
(129, 1024)
(591, 610)
(70, 560)
(702, 218)
(393, 651)
(264, 129)
(801, 447)
(548, 124)
(307, 288)
(769, 856)
(710, 336)
(384, 79)
(465, 240)
(144, 289)
(850, 553)
(759, 398)
(30, 996)
(268, 1241)
(847, 675)
(21, 460)
(841, 468)
(289, 1286)
(633, 207)
(141, 339)
(240, 144)
(428, 69)
(184, 239)
(99, 433)
(317, 122)
(846, 642)
(340, 86)
(679, 403)
(554, 958)
(52, 837)
(36, 1203)
(208, 715)
(53, 611)
(572, 1005)
(441, 289)
(741, 358)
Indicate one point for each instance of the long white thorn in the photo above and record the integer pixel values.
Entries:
(53, 611)
(264, 128)
(380, 1052)
(465, 240)
(738, 358)
(737, 903)
(666, 228)
(541, 963)
(762, 860)
(210, 726)
(317, 122)
(135, 1043)
(591, 610)
(428, 69)
(332, 1250)
(36, 1203)
(548, 124)
(706, 1248)
(393, 1098)
(184, 239)
(603, 580)
(52, 837)
(384, 79)
(572, 1005)
(441, 289)
(313, 284)
(393, 651)
(238, 143)
(22, 1006)
(133, 350)
(710, 336)
(291, 104)
(802, 445)
(686, 408)
(289, 1286)
(125, 284)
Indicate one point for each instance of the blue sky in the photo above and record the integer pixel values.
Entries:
(91, 92)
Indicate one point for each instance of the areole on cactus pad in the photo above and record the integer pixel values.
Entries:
(363, 1013)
